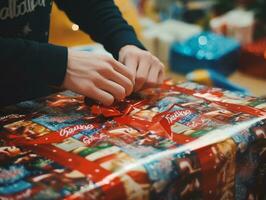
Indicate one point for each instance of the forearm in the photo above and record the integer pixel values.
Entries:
(32, 60)
(103, 21)
(28, 68)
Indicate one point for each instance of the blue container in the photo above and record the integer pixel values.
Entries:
(205, 51)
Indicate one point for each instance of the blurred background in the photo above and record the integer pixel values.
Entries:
(215, 42)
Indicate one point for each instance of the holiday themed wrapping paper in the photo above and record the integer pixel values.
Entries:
(183, 141)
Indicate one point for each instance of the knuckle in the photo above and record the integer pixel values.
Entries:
(111, 61)
(108, 69)
(132, 54)
(95, 77)
(99, 68)
(149, 54)
(146, 55)
(106, 58)
(155, 60)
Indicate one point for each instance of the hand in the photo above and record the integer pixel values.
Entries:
(97, 76)
(148, 71)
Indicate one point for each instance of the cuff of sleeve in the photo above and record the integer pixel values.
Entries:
(120, 39)
(53, 63)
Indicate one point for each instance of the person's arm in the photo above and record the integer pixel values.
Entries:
(102, 20)
(26, 65)
(33, 61)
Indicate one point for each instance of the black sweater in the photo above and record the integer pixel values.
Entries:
(28, 64)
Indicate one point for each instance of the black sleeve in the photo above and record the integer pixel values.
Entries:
(24, 63)
(102, 20)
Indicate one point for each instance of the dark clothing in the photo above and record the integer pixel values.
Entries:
(28, 64)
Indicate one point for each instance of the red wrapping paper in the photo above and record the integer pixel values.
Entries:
(181, 141)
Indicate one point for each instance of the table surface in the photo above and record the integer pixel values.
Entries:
(255, 85)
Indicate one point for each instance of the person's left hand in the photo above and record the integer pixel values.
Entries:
(147, 69)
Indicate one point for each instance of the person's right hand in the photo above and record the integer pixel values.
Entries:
(97, 76)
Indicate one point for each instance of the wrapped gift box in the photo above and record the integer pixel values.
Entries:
(237, 23)
(205, 51)
(158, 38)
(253, 58)
(183, 141)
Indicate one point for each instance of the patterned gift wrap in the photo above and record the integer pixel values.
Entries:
(179, 141)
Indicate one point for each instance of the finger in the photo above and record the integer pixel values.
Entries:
(161, 77)
(153, 76)
(131, 63)
(101, 96)
(142, 74)
(117, 91)
(118, 78)
(122, 69)
(121, 57)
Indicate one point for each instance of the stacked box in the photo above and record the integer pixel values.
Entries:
(158, 38)
(238, 24)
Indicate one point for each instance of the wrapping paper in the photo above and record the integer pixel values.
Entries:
(183, 141)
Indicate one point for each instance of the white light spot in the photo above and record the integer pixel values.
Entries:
(75, 27)
(203, 40)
